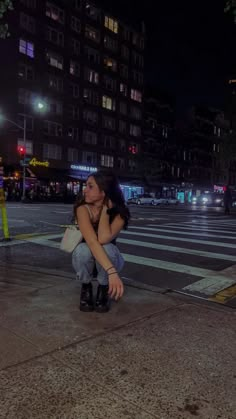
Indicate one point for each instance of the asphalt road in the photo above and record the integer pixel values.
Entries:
(190, 250)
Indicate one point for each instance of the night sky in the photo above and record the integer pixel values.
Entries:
(189, 49)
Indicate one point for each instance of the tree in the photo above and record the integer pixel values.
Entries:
(5, 5)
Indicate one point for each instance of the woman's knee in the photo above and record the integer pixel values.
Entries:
(114, 255)
(82, 254)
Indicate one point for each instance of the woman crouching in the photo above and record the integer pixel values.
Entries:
(101, 214)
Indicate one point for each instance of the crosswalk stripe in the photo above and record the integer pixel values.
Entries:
(167, 266)
(11, 243)
(192, 228)
(178, 249)
(164, 237)
(186, 233)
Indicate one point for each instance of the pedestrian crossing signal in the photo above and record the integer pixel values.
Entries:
(21, 150)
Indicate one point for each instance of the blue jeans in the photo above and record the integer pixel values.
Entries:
(83, 263)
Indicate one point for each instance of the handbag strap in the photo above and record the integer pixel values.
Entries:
(90, 213)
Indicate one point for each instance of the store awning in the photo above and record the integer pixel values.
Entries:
(47, 173)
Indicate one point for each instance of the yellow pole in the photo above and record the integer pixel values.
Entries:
(3, 207)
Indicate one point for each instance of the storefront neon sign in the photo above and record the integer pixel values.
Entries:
(34, 162)
(83, 168)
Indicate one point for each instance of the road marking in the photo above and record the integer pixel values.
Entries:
(186, 233)
(178, 249)
(167, 266)
(192, 228)
(211, 284)
(61, 212)
(11, 243)
(56, 225)
(164, 237)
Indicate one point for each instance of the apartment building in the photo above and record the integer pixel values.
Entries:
(73, 74)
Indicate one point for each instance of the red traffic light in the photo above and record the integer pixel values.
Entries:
(133, 149)
(21, 150)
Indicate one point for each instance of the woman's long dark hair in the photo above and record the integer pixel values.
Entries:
(108, 182)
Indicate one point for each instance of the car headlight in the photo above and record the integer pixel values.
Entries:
(205, 199)
(218, 200)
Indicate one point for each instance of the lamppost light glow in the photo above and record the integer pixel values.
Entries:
(40, 105)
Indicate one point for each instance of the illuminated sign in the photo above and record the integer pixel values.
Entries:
(34, 162)
(83, 168)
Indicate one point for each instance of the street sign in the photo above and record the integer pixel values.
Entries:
(23, 164)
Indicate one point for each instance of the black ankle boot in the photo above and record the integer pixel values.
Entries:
(86, 298)
(102, 304)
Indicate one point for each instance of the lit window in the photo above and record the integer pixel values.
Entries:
(74, 68)
(107, 161)
(111, 24)
(92, 33)
(136, 95)
(123, 89)
(91, 76)
(54, 13)
(54, 60)
(27, 48)
(108, 103)
(110, 63)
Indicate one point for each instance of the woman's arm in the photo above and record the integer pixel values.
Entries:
(106, 231)
(116, 288)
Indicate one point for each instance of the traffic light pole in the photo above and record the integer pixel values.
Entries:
(24, 168)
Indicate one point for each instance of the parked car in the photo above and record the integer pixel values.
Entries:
(146, 199)
(142, 200)
(210, 199)
(132, 200)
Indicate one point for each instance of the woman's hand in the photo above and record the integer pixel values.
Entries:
(116, 287)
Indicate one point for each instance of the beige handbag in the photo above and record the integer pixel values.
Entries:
(71, 238)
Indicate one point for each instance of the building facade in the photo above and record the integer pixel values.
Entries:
(73, 74)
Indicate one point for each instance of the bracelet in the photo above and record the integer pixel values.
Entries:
(111, 267)
(111, 273)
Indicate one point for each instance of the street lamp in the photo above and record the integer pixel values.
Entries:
(41, 107)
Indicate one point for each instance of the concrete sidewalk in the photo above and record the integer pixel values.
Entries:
(151, 356)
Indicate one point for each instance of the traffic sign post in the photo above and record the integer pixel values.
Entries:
(3, 206)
